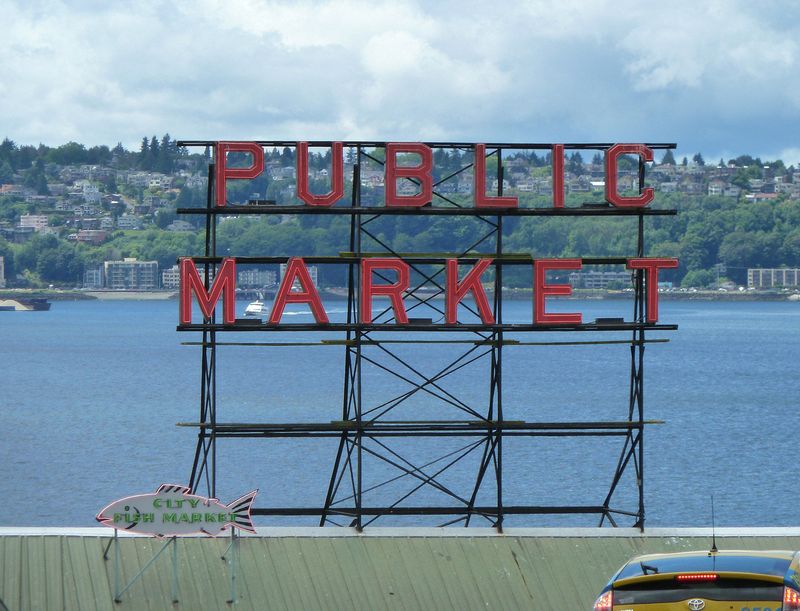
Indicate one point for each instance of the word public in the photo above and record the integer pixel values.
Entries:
(420, 173)
(224, 286)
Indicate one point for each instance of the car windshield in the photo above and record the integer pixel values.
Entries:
(707, 563)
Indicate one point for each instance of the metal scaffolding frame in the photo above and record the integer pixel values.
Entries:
(363, 429)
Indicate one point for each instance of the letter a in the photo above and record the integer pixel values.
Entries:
(296, 270)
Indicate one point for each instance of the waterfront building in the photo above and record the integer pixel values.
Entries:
(312, 271)
(257, 278)
(171, 278)
(598, 280)
(773, 278)
(93, 278)
(131, 274)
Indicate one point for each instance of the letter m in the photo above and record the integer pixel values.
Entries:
(224, 284)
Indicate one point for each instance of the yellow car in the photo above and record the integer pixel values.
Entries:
(706, 581)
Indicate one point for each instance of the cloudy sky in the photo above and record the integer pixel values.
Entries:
(718, 77)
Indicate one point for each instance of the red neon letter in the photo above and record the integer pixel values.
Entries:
(421, 172)
(456, 292)
(557, 159)
(541, 290)
(337, 177)
(394, 291)
(224, 284)
(481, 199)
(614, 198)
(223, 172)
(296, 270)
(652, 266)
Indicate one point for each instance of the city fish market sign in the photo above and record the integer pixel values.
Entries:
(173, 510)
(461, 277)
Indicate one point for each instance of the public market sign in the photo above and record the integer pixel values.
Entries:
(172, 510)
(459, 280)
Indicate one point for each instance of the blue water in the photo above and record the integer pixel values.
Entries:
(91, 393)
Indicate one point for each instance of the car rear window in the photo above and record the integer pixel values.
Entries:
(705, 564)
(668, 591)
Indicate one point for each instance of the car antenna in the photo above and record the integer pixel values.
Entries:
(714, 549)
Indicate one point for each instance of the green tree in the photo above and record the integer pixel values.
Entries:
(35, 178)
(698, 159)
(668, 158)
(6, 173)
(698, 278)
(165, 161)
(144, 154)
(575, 163)
(71, 153)
(155, 151)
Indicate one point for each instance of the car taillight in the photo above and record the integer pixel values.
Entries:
(696, 577)
(604, 602)
(791, 599)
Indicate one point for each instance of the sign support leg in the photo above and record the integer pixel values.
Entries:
(117, 593)
(234, 549)
(174, 570)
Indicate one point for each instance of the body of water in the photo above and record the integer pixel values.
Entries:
(91, 393)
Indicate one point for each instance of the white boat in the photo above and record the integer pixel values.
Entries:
(256, 308)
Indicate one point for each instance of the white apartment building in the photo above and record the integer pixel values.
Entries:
(773, 278)
(171, 278)
(37, 222)
(256, 278)
(131, 274)
(312, 271)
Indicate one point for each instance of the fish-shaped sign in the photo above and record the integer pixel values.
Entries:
(174, 510)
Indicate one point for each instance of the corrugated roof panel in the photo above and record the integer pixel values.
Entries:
(421, 566)
(337, 572)
(371, 583)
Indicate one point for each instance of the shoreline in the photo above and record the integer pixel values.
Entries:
(339, 293)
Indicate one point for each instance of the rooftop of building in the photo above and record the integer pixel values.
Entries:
(327, 568)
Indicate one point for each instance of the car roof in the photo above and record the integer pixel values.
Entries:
(775, 563)
(775, 553)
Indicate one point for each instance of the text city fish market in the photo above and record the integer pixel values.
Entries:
(175, 517)
(190, 518)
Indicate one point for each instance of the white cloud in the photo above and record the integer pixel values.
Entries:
(709, 75)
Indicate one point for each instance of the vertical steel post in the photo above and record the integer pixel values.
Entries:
(234, 549)
(116, 567)
(498, 364)
(359, 346)
(174, 570)
(640, 370)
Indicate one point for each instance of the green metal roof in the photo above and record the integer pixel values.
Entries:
(542, 569)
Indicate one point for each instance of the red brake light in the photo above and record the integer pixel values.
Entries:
(791, 599)
(696, 577)
(604, 602)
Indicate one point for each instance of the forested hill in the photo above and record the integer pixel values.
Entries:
(67, 209)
